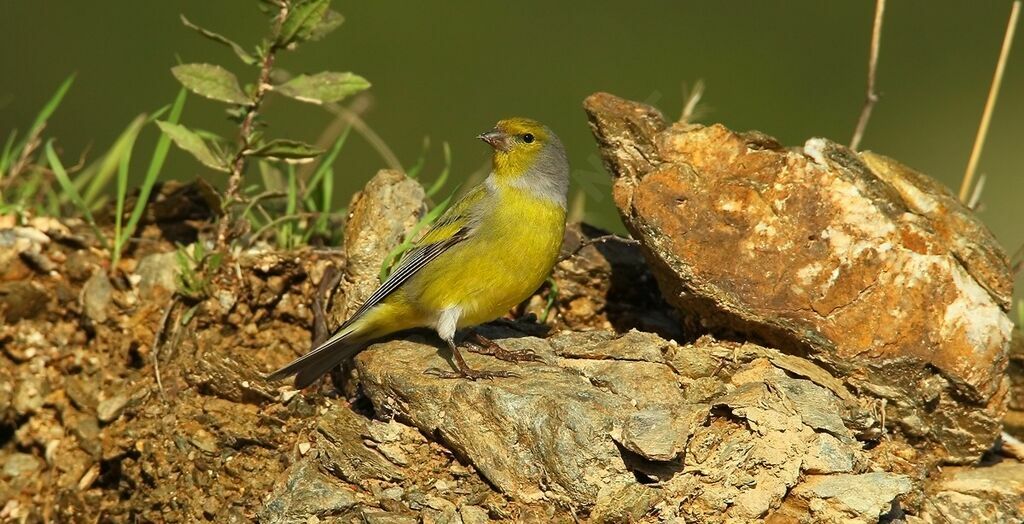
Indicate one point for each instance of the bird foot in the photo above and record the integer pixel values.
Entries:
(470, 373)
(484, 346)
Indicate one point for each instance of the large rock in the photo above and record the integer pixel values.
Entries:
(379, 218)
(993, 494)
(1014, 421)
(872, 270)
(726, 431)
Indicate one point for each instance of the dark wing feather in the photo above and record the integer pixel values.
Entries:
(411, 263)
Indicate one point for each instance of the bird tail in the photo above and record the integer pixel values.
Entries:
(325, 357)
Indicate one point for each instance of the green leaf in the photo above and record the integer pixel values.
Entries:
(188, 140)
(301, 21)
(272, 178)
(211, 81)
(239, 50)
(324, 87)
(65, 184)
(331, 20)
(286, 150)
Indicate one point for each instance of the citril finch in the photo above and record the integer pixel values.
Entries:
(484, 255)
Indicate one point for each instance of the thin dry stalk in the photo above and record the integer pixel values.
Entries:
(351, 115)
(990, 104)
(975, 200)
(692, 99)
(599, 240)
(872, 96)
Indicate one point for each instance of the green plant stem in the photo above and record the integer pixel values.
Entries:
(245, 139)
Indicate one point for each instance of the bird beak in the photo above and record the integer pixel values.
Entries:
(496, 139)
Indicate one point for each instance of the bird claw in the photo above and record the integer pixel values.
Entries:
(469, 373)
(500, 353)
(486, 346)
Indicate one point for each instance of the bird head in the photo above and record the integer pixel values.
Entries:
(527, 152)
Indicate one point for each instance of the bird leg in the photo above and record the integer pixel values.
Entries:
(463, 370)
(485, 346)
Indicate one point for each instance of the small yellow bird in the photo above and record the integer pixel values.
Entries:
(487, 253)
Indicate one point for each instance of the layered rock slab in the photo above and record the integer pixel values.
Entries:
(619, 427)
(868, 268)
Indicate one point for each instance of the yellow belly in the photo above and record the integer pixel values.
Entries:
(505, 261)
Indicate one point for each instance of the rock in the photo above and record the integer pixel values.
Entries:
(231, 377)
(380, 216)
(474, 515)
(19, 246)
(843, 498)
(303, 493)
(626, 503)
(21, 300)
(376, 516)
(112, 407)
(992, 494)
(342, 452)
(602, 411)
(158, 275)
(829, 455)
(29, 394)
(870, 269)
(81, 390)
(20, 465)
(96, 296)
(651, 434)
(1014, 421)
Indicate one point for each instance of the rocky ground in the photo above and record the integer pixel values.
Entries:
(801, 335)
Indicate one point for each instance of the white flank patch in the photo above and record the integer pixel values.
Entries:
(447, 322)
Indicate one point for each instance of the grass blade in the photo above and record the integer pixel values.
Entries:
(8, 152)
(45, 113)
(108, 165)
(69, 188)
(27, 190)
(120, 239)
(326, 199)
(156, 163)
(414, 171)
(325, 165)
(285, 240)
(442, 179)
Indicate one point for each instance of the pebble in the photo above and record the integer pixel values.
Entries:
(110, 408)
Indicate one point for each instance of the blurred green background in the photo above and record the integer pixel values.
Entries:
(449, 70)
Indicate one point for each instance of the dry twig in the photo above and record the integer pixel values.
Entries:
(692, 97)
(872, 96)
(157, 340)
(598, 240)
(993, 94)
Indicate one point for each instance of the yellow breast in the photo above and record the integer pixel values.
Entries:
(504, 262)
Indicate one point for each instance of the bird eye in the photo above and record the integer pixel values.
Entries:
(528, 138)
